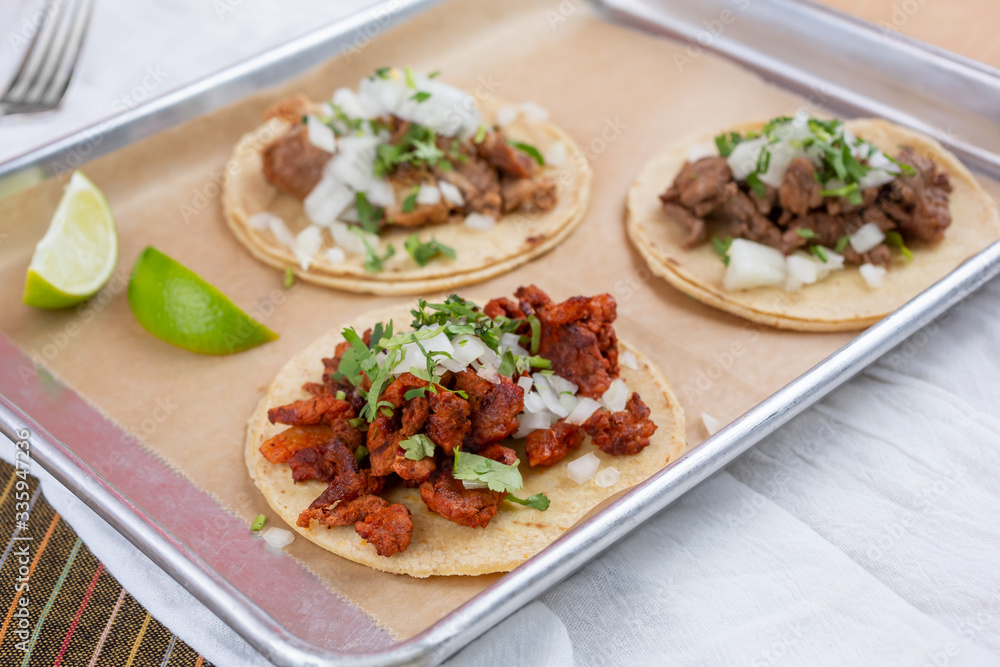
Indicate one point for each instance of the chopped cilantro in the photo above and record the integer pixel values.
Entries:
(842, 244)
(508, 364)
(536, 333)
(373, 261)
(435, 74)
(819, 251)
(341, 395)
(360, 453)
(894, 239)
(289, 277)
(417, 447)
(539, 501)
(382, 72)
(530, 150)
(411, 81)
(420, 96)
(480, 134)
(258, 523)
(415, 392)
(539, 362)
(369, 216)
(727, 142)
(410, 202)
(722, 248)
(422, 253)
(497, 476)
(805, 232)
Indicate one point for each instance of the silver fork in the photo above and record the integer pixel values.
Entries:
(47, 68)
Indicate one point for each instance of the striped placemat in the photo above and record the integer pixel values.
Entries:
(60, 605)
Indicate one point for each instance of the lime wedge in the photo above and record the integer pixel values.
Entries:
(78, 254)
(175, 304)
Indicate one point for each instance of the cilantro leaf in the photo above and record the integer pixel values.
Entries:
(435, 74)
(420, 96)
(536, 333)
(727, 142)
(497, 476)
(417, 447)
(894, 239)
(411, 81)
(422, 253)
(805, 232)
(480, 134)
(842, 244)
(369, 216)
(539, 501)
(410, 202)
(413, 393)
(382, 72)
(530, 150)
(722, 248)
(819, 251)
(360, 453)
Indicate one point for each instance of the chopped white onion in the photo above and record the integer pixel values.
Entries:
(277, 538)
(560, 384)
(350, 238)
(489, 373)
(867, 237)
(350, 214)
(753, 264)
(451, 193)
(281, 232)
(524, 382)
(834, 262)
(467, 348)
(585, 407)
(533, 402)
(413, 357)
(479, 221)
(447, 110)
(489, 358)
(349, 103)
(533, 421)
(381, 193)
(307, 243)
(872, 274)
(556, 155)
(320, 134)
(710, 422)
(628, 360)
(743, 160)
(802, 270)
(473, 484)
(336, 255)
(327, 200)
(616, 396)
(262, 221)
(582, 469)
(428, 195)
(506, 115)
(534, 112)
(607, 477)
(549, 395)
(512, 342)
(568, 402)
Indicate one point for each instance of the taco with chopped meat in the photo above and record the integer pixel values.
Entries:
(808, 224)
(459, 440)
(406, 185)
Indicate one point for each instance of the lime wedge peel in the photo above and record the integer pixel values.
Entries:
(78, 253)
(176, 305)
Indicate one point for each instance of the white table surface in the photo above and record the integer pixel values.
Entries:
(867, 532)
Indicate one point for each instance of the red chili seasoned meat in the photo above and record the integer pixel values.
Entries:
(447, 496)
(625, 432)
(499, 453)
(494, 408)
(293, 164)
(279, 448)
(579, 339)
(345, 513)
(448, 424)
(389, 530)
(549, 446)
(407, 419)
(321, 409)
(322, 462)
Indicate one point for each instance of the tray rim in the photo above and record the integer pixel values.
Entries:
(569, 552)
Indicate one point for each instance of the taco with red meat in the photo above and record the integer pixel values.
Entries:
(457, 439)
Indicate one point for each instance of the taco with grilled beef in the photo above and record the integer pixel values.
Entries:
(406, 185)
(808, 224)
(455, 439)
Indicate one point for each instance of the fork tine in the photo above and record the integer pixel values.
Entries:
(61, 76)
(36, 55)
(60, 43)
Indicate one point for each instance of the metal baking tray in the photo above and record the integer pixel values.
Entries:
(785, 41)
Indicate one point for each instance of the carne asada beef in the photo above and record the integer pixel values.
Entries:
(293, 164)
(705, 201)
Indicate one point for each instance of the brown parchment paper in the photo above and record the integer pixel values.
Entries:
(623, 95)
